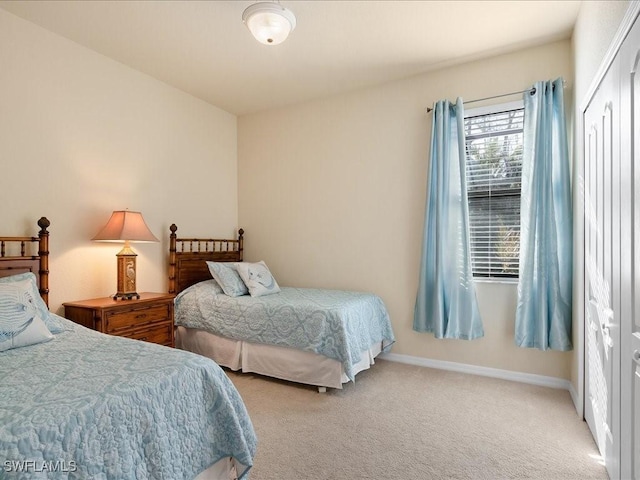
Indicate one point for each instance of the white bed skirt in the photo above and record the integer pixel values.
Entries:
(278, 362)
(224, 469)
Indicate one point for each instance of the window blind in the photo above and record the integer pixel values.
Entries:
(494, 173)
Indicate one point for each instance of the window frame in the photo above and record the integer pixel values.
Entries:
(481, 111)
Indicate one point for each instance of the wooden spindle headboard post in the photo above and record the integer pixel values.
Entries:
(43, 253)
(240, 242)
(172, 259)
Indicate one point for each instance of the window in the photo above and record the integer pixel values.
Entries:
(494, 172)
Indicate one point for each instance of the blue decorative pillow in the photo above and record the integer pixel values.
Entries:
(257, 278)
(52, 324)
(227, 277)
(20, 323)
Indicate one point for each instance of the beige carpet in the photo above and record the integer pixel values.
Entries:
(406, 422)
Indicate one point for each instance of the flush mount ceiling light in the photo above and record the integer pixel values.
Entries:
(269, 22)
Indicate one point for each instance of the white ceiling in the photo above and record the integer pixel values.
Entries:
(202, 47)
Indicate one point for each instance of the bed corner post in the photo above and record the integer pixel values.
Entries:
(43, 253)
(172, 258)
(240, 243)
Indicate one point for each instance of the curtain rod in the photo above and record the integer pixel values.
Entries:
(532, 90)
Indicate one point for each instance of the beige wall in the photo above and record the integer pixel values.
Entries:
(82, 135)
(332, 194)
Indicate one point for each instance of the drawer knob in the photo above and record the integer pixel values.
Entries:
(141, 315)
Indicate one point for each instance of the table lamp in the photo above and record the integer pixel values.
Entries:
(126, 226)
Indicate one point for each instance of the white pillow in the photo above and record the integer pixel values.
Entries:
(20, 323)
(257, 278)
(227, 277)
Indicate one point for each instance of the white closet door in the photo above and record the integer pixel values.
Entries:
(612, 262)
(602, 199)
(630, 188)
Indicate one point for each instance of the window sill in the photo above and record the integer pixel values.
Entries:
(507, 281)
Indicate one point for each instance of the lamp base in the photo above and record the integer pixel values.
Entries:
(126, 274)
(126, 296)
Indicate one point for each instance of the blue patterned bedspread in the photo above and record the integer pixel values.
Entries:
(335, 323)
(91, 406)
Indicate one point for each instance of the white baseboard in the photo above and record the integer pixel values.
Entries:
(576, 399)
(530, 378)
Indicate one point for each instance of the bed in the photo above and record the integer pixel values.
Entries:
(75, 403)
(317, 337)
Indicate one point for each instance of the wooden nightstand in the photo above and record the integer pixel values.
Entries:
(149, 318)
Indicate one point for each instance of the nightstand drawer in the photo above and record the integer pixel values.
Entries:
(136, 317)
(160, 334)
(148, 318)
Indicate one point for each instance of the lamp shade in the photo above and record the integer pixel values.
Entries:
(270, 23)
(125, 226)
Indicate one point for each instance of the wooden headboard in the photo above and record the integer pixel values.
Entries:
(188, 257)
(28, 254)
